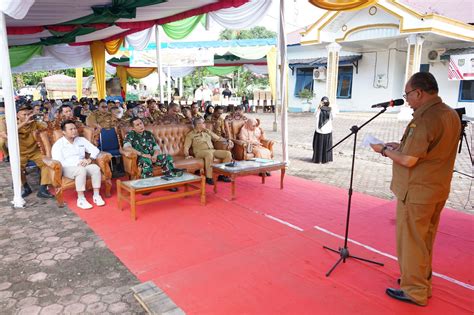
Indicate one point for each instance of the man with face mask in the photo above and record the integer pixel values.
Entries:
(70, 150)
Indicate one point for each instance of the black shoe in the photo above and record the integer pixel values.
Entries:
(174, 189)
(399, 295)
(6, 159)
(224, 179)
(268, 174)
(26, 190)
(44, 193)
(209, 181)
(399, 280)
(146, 193)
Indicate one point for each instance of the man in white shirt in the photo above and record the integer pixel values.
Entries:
(70, 150)
(198, 96)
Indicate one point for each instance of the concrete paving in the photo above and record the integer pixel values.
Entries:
(373, 172)
(51, 262)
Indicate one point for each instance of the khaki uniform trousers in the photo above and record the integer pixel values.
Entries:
(80, 173)
(209, 155)
(4, 147)
(417, 225)
(37, 158)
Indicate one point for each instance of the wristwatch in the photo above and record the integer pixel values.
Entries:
(383, 151)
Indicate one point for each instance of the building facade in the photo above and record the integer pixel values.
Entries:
(363, 57)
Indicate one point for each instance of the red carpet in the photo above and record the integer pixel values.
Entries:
(232, 257)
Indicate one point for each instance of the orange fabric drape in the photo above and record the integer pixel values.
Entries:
(342, 5)
(113, 46)
(98, 63)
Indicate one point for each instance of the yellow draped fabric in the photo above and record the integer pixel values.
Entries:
(122, 74)
(79, 83)
(113, 46)
(98, 63)
(271, 64)
(342, 5)
(138, 73)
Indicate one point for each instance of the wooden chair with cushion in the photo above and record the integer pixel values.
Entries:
(46, 139)
(240, 149)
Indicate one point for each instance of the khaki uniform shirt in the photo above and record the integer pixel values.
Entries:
(56, 124)
(432, 136)
(199, 141)
(174, 119)
(27, 141)
(3, 126)
(218, 125)
(103, 119)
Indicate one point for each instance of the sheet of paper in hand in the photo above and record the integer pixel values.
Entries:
(369, 139)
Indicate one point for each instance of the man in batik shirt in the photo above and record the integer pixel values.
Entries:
(143, 143)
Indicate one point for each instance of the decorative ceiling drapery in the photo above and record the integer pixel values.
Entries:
(98, 63)
(21, 54)
(181, 29)
(342, 5)
(17, 9)
(139, 40)
(241, 17)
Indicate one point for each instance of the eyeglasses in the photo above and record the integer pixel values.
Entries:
(406, 94)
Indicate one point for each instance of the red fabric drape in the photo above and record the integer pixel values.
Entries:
(24, 30)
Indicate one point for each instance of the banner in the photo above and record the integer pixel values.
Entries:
(461, 67)
(192, 57)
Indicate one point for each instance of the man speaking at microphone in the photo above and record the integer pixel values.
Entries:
(422, 170)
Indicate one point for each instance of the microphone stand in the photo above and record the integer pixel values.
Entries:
(344, 251)
(462, 137)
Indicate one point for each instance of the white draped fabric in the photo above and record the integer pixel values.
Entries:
(74, 56)
(253, 53)
(257, 69)
(139, 40)
(17, 9)
(242, 17)
(180, 72)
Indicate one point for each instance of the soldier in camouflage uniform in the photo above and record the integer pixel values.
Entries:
(143, 143)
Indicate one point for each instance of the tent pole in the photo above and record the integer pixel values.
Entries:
(169, 85)
(180, 87)
(10, 115)
(277, 81)
(158, 60)
(283, 84)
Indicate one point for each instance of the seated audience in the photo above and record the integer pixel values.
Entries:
(102, 118)
(70, 150)
(252, 134)
(209, 111)
(218, 124)
(200, 139)
(238, 114)
(29, 150)
(195, 110)
(174, 115)
(3, 134)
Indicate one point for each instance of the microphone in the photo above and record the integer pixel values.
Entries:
(391, 103)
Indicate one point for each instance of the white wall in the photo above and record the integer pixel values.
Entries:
(448, 89)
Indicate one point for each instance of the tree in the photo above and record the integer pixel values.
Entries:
(33, 78)
(253, 33)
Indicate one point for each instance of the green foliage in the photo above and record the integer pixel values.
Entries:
(253, 33)
(132, 81)
(306, 94)
(33, 78)
(194, 80)
(247, 82)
